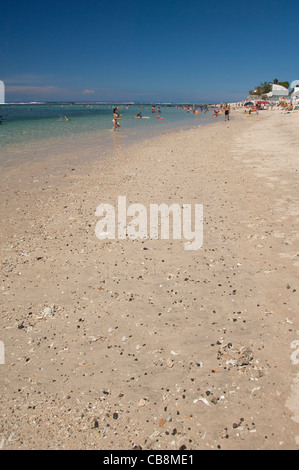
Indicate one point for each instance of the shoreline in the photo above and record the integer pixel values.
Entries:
(91, 151)
(88, 138)
(122, 343)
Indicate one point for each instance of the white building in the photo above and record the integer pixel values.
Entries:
(295, 95)
(278, 91)
(2, 93)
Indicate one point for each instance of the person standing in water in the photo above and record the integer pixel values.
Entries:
(115, 119)
(226, 112)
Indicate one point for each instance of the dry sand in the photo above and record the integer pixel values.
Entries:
(124, 344)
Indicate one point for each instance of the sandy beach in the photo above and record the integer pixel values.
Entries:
(140, 344)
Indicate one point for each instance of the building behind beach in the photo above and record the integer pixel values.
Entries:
(295, 95)
(295, 91)
(278, 91)
(2, 93)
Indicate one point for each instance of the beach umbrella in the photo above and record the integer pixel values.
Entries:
(262, 102)
(248, 104)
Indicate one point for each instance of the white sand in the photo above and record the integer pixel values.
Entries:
(117, 344)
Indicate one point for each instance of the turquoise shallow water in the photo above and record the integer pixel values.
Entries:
(34, 130)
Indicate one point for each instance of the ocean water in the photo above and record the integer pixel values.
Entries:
(35, 130)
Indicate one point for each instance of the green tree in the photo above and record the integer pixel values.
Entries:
(285, 84)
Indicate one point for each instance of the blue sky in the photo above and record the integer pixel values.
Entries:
(132, 50)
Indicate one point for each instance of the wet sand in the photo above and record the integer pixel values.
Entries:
(123, 344)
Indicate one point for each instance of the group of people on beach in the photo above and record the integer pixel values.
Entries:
(117, 118)
(225, 108)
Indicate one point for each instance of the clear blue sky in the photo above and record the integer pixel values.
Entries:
(180, 50)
